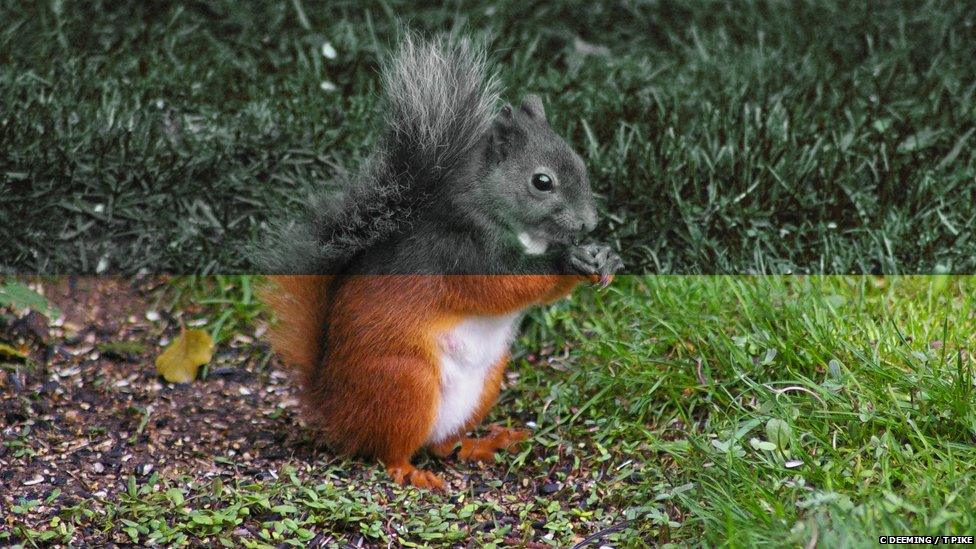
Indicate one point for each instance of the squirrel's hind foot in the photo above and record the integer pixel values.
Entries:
(407, 474)
(484, 448)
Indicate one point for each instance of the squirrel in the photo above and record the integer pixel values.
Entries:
(397, 296)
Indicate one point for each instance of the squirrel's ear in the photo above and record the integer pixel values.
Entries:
(532, 106)
(502, 131)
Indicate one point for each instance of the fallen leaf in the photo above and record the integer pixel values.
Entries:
(179, 362)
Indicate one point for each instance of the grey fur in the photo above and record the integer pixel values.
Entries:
(441, 99)
(450, 186)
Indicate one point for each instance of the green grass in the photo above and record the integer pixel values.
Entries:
(868, 383)
(231, 301)
(722, 411)
(811, 136)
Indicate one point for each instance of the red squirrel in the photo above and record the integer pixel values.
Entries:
(414, 272)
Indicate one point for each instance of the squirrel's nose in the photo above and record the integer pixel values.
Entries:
(589, 220)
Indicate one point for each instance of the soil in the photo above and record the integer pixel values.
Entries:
(98, 412)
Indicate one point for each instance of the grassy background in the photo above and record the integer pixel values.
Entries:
(707, 410)
(812, 136)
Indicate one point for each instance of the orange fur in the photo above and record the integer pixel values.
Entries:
(373, 384)
(300, 303)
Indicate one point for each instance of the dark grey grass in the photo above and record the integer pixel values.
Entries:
(764, 137)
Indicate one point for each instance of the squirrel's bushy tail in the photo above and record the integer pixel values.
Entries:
(300, 306)
(441, 99)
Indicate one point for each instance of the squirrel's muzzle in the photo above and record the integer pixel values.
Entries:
(589, 219)
(574, 225)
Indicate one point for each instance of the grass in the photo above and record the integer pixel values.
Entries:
(819, 137)
(788, 408)
(691, 410)
(231, 298)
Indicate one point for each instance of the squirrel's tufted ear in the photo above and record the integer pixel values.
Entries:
(505, 113)
(502, 132)
(504, 119)
(532, 106)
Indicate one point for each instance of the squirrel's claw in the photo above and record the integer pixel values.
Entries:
(596, 261)
(484, 448)
(408, 474)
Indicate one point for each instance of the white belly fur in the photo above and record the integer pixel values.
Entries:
(467, 353)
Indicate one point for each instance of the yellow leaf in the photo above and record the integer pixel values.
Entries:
(184, 356)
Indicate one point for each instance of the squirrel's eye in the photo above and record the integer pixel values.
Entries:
(542, 182)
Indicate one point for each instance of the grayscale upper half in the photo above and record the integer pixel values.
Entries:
(623, 150)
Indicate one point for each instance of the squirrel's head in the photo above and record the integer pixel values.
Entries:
(536, 186)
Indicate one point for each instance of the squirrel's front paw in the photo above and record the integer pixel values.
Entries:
(597, 261)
